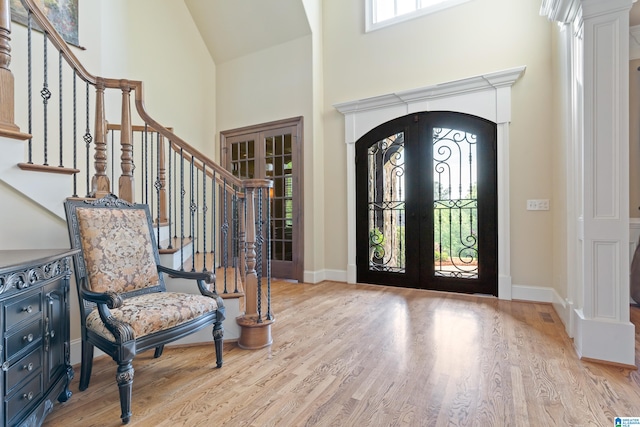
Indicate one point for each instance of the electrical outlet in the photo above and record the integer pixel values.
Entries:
(538, 205)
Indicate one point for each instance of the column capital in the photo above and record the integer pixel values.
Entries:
(566, 11)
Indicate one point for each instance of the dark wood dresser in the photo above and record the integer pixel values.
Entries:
(34, 322)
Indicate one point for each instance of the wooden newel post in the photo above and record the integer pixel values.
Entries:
(100, 184)
(7, 105)
(255, 330)
(251, 285)
(125, 183)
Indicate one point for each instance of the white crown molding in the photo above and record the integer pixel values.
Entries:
(498, 79)
(560, 10)
(567, 10)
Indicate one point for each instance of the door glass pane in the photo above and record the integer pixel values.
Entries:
(243, 159)
(386, 210)
(455, 190)
(279, 168)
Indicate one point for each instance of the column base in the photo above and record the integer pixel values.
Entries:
(605, 341)
(254, 335)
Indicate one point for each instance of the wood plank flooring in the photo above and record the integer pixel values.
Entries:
(358, 355)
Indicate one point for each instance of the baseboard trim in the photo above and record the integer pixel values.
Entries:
(532, 293)
(325, 274)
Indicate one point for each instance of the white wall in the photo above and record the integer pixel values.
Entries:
(269, 85)
(478, 37)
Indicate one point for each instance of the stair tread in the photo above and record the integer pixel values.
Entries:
(48, 168)
(175, 245)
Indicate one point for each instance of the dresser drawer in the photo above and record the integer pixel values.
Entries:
(19, 341)
(23, 399)
(20, 309)
(23, 368)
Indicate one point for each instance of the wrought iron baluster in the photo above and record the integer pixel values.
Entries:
(45, 93)
(143, 136)
(87, 140)
(197, 217)
(60, 104)
(193, 208)
(145, 166)
(182, 194)
(259, 242)
(175, 181)
(204, 217)
(29, 89)
(150, 171)
(268, 243)
(75, 133)
(236, 238)
(158, 185)
(224, 232)
(170, 194)
(213, 219)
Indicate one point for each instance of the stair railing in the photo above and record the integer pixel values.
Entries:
(181, 177)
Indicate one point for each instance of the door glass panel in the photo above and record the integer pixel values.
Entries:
(279, 168)
(455, 189)
(243, 159)
(386, 210)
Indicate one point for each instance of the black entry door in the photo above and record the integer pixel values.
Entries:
(426, 203)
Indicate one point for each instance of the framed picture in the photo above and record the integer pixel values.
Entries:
(63, 14)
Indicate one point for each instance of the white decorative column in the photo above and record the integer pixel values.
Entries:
(487, 96)
(600, 319)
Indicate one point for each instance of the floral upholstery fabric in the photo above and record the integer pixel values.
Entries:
(154, 312)
(117, 249)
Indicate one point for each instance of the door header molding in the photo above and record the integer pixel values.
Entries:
(487, 96)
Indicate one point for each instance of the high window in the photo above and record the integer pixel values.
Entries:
(382, 13)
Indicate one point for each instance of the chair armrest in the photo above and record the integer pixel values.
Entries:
(110, 299)
(105, 301)
(200, 277)
(207, 276)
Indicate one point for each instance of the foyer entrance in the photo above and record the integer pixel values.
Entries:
(426, 203)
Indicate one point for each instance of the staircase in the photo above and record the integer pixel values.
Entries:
(205, 217)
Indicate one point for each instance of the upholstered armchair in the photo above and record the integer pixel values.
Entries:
(124, 306)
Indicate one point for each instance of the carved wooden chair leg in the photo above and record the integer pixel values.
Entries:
(86, 366)
(218, 332)
(158, 352)
(124, 377)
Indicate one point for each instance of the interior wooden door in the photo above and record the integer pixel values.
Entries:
(426, 203)
(274, 151)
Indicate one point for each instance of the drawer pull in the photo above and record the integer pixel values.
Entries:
(27, 338)
(27, 309)
(28, 367)
(28, 396)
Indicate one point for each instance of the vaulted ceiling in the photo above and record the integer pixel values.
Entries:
(234, 28)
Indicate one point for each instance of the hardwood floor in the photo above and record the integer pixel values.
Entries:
(358, 355)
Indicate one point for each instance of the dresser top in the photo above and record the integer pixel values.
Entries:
(23, 258)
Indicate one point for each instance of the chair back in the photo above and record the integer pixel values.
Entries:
(118, 251)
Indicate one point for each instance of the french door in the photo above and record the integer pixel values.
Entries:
(274, 151)
(426, 203)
